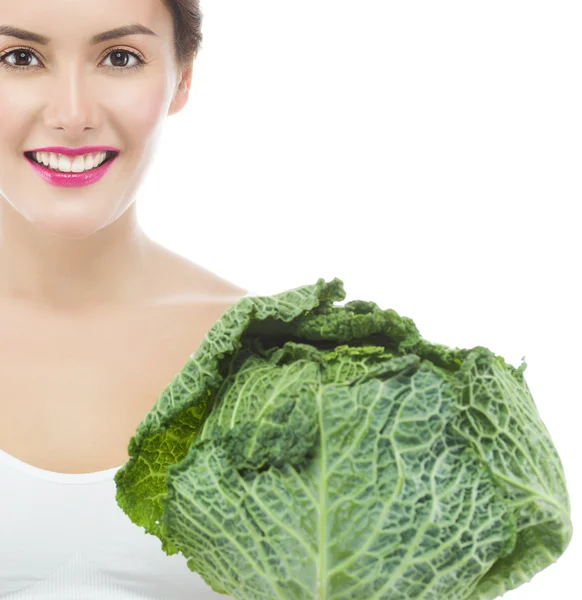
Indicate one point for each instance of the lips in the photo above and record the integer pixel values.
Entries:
(71, 178)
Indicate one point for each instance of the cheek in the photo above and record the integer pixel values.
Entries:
(15, 105)
(140, 108)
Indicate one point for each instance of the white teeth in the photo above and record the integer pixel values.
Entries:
(60, 162)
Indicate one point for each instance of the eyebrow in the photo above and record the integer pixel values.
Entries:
(22, 34)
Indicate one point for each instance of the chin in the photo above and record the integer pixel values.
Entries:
(78, 223)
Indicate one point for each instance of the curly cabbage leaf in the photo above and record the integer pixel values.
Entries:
(308, 450)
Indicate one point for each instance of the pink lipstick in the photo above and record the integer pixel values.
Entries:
(70, 179)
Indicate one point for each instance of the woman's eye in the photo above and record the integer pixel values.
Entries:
(116, 54)
(18, 54)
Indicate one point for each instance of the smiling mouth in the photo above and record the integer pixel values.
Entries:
(109, 155)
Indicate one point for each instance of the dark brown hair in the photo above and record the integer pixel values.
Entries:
(187, 19)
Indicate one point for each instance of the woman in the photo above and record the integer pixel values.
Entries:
(96, 318)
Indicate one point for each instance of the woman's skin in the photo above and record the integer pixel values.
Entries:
(75, 246)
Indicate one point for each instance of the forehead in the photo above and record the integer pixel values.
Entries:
(79, 20)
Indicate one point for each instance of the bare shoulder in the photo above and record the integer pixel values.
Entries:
(181, 281)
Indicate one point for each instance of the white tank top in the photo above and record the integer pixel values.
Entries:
(64, 537)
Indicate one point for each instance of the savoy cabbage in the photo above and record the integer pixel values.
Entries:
(310, 451)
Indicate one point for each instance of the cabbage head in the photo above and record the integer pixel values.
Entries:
(312, 451)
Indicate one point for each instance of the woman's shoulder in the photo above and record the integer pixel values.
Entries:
(180, 280)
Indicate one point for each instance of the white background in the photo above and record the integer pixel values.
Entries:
(426, 153)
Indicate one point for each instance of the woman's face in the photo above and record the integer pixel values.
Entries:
(70, 92)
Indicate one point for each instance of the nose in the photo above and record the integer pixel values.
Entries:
(71, 104)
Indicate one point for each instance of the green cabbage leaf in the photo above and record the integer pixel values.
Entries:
(312, 451)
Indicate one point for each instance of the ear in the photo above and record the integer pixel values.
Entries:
(182, 90)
